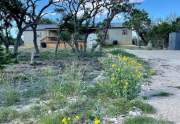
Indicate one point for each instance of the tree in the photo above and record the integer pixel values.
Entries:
(18, 11)
(78, 17)
(113, 8)
(3, 59)
(159, 34)
(47, 21)
(139, 21)
(81, 15)
(5, 26)
(35, 14)
(176, 24)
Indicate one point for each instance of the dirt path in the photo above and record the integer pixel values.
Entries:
(167, 79)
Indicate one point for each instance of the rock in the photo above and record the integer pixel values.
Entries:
(135, 112)
(98, 76)
(118, 120)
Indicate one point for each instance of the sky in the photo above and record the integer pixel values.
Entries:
(161, 8)
(157, 8)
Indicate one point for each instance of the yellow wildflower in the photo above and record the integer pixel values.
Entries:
(126, 84)
(77, 117)
(114, 65)
(68, 118)
(64, 121)
(97, 121)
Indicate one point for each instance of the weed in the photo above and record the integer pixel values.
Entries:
(50, 119)
(7, 114)
(146, 108)
(11, 96)
(145, 120)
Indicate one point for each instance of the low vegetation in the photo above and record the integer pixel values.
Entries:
(7, 114)
(67, 89)
(145, 120)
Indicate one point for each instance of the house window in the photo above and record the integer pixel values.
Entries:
(124, 32)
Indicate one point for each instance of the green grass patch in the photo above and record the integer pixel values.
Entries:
(51, 119)
(145, 107)
(145, 120)
(11, 96)
(61, 85)
(7, 114)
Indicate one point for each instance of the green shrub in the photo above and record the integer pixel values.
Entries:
(11, 96)
(126, 75)
(145, 120)
(145, 107)
(7, 114)
(3, 58)
(118, 106)
(50, 119)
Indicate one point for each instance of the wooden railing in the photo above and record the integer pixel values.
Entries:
(49, 40)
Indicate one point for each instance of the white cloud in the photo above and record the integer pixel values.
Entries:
(136, 1)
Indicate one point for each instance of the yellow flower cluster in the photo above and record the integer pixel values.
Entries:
(126, 74)
(97, 121)
(129, 61)
(66, 120)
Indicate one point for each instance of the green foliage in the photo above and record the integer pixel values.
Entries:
(64, 89)
(125, 76)
(11, 96)
(146, 108)
(139, 20)
(47, 21)
(145, 120)
(7, 114)
(65, 36)
(119, 106)
(51, 119)
(159, 34)
(3, 59)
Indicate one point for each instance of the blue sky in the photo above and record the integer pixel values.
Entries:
(161, 8)
(156, 8)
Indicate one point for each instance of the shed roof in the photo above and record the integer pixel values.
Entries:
(44, 27)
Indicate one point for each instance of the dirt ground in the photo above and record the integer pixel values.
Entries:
(167, 79)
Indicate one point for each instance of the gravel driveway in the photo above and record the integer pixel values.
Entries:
(167, 79)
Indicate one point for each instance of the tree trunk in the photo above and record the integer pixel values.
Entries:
(7, 41)
(18, 40)
(7, 48)
(142, 38)
(34, 28)
(85, 43)
(57, 45)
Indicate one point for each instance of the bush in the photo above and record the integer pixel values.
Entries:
(11, 97)
(7, 114)
(145, 120)
(52, 119)
(125, 76)
(145, 107)
(2, 57)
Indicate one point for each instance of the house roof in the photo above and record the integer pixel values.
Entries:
(55, 26)
(44, 27)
